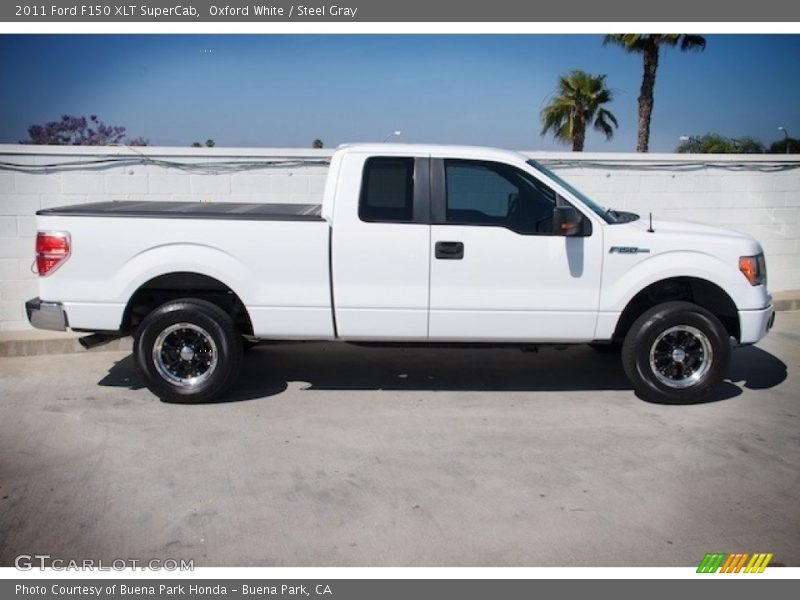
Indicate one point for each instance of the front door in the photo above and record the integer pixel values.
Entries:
(498, 273)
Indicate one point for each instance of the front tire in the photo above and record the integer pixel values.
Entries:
(676, 352)
(188, 351)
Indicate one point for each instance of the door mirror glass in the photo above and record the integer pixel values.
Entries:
(566, 221)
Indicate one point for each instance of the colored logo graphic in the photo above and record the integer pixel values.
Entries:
(734, 563)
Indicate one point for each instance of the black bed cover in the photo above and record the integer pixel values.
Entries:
(243, 211)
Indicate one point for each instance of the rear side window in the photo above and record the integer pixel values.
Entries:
(387, 190)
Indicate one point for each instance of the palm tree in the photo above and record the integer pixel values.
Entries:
(649, 45)
(577, 103)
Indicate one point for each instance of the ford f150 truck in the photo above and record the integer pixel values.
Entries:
(412, 244)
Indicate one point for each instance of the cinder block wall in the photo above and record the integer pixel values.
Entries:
(757, 194)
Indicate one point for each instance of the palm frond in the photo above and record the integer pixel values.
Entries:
(630, 42)
(636, 42)
(604, 121)
(693, 42)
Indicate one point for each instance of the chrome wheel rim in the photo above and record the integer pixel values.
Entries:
(681, 356)
(185, 354)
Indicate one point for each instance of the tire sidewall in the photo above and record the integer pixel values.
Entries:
(645, 331)
(215, 322)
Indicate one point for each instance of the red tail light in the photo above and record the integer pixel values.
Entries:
(52, 249)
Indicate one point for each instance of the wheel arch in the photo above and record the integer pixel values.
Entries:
(184, 284)
(696, 290)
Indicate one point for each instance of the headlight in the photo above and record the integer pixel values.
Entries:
(754, 268)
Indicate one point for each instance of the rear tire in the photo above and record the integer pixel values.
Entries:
(676, 352)
(188, 351)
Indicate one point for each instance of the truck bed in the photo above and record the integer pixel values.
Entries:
(243, 211)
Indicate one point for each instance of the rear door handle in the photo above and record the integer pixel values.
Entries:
(449, 250)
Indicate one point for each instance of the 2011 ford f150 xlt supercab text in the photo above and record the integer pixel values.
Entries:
(412, 244)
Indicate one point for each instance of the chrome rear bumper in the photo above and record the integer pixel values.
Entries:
(46, 315)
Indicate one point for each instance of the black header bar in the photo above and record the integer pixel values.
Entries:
(418, 11)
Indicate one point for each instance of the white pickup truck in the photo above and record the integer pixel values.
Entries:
(412, 244)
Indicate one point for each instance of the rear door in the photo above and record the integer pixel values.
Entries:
(381, 249)
(498, 273)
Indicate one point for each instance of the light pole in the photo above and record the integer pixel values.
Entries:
(393, 134)
(785, 137)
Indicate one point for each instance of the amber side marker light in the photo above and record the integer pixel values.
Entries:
(752, 267)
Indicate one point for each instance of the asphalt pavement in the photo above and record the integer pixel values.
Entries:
(335, 455)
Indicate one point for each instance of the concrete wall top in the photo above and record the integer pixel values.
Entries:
(603, 157)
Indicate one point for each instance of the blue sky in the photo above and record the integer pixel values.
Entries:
(286, 90)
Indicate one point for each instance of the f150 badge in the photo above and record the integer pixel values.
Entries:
(628, 250)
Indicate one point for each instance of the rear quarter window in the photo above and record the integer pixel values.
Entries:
(387, 190)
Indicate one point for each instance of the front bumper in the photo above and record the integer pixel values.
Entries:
(46, 315)
(755, 324)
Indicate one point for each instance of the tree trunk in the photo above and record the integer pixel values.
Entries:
(579, 134)
(650, 57)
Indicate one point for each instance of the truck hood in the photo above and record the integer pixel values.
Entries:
(690, 228)
(672, 236)
(692, 235)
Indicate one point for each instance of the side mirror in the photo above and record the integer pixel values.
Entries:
(566, 220)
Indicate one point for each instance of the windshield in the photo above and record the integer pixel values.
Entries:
(604, 214)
